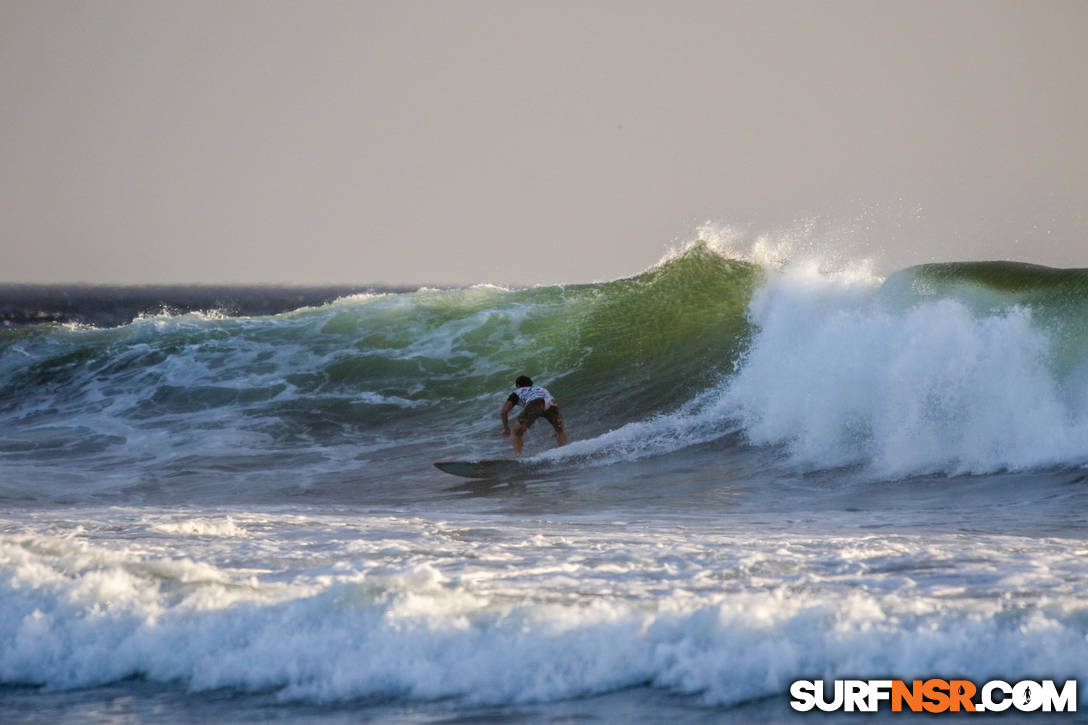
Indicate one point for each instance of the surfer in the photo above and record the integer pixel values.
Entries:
(536, 402)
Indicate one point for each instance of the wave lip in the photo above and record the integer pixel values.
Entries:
(1018, 281)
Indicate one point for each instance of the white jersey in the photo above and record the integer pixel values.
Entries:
(530, 393)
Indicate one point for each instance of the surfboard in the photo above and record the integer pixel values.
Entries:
(485, 468)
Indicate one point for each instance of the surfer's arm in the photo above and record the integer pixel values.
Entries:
(506, 408)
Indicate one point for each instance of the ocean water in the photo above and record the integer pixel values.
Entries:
(779, 469)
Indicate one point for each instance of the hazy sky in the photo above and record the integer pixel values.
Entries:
(527, 141)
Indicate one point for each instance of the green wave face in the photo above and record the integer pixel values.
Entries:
(629, 347)
(652, 341)
(639, 345)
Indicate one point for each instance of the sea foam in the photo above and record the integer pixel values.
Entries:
(497, 613)
(839, 377)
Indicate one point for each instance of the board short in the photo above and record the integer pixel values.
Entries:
(535, 409)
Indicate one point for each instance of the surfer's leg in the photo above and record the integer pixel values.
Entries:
(531, 412)
(516, 438)
(556, 420)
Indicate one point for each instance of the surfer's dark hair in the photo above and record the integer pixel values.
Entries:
(523, 381)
